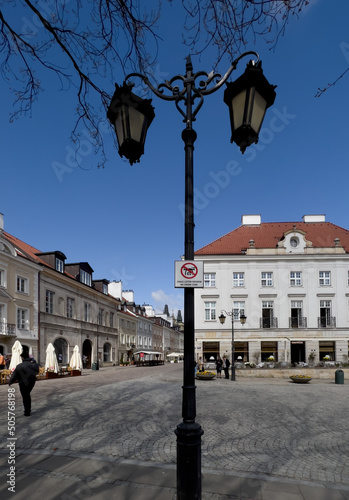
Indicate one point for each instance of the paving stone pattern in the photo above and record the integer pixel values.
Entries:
(256, 428)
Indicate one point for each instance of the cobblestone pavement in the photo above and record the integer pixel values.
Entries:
(252, 427)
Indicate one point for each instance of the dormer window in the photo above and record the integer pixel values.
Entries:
(294, 242)
(59, 265)
(85, 277)
(105, 289)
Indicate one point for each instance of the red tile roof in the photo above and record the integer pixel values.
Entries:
(268, 234)
(25, 250)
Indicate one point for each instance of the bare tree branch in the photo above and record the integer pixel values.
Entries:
(93, 38)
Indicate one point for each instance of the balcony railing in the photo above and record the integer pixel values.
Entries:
(268, 322)
(300, 322)
(7, 329)
(326, 322)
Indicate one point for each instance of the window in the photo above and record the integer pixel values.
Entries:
(210, 311)
(267, 279)
(294, 242)
(3, 278)
(59, 265)
(87, 312)
(238, 309)
(210, 280)
(325, 313)
(22, 319)
(111, 320)
(297, 320)
(2, 319)
(295, 278)
(145, 341)
(105, 289)
(267, 313)
(22, 284)
(100, 316)
(70, 307)
(324, 278)
(49, 302)
(139, 341)
(238, 279)
(107, 352)
(85, 277)
(122, 338)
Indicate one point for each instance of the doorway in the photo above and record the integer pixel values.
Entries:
(298, 352)
(87, 353)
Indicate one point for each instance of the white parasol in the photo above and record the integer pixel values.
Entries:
(16, 355)
(75, 361)
(51, 363)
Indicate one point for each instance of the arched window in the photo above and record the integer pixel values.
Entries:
(107, 352)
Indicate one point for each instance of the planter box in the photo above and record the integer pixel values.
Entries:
(75, 373)
(50, 375)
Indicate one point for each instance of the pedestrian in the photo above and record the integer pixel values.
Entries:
(25, 374)
(219, 366)
(2, 361)
(226, 364)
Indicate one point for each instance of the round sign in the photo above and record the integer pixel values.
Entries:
(189, 270)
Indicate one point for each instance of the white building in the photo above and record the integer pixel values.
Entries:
(291, 281)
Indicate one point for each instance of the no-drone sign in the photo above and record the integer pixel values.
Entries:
(189, 274)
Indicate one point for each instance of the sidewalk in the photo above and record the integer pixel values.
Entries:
(77, 476)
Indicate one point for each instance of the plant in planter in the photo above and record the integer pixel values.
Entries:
(300, 379)
(205, 375)
(311, 357)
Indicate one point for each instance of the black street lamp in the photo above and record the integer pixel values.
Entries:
(129, 116)
(222, 321)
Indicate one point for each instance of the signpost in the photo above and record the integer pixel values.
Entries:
(189, 274)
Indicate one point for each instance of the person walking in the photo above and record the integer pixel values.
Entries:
(219, 366)
(25, 374)
(226, 364)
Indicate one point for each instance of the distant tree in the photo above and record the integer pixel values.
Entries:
(85, 43)
(166, 311)
(179, 316)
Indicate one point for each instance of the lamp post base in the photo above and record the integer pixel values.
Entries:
(189, 461)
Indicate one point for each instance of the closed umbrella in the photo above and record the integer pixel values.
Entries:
(75, 361)
(51, 363)
(16, 355)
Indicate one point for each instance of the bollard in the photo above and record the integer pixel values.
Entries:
(339, 377)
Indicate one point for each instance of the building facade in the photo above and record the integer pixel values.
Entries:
(290, 280)
(19, 292)
(59, 303)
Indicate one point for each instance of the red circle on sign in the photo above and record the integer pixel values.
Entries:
(142, 354)
(189, 271)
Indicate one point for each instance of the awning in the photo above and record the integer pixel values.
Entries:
(148, 352)
(175, 354)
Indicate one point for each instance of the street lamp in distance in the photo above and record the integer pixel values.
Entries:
(222, 319)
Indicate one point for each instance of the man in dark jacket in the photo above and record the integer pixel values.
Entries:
(25, 374)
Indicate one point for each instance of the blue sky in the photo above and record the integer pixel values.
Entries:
(127, 222)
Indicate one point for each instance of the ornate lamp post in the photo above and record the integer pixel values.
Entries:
(131, 117)
(222, 321)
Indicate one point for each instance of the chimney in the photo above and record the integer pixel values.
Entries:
(251, 220)
(1, 222)
(314, 218)
(115, 289)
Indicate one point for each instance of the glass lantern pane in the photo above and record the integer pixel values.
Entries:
(258, 112)
(120, 124)
(238, 107)
(137, 120)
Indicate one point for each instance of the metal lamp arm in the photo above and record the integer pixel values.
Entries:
(190, 90)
